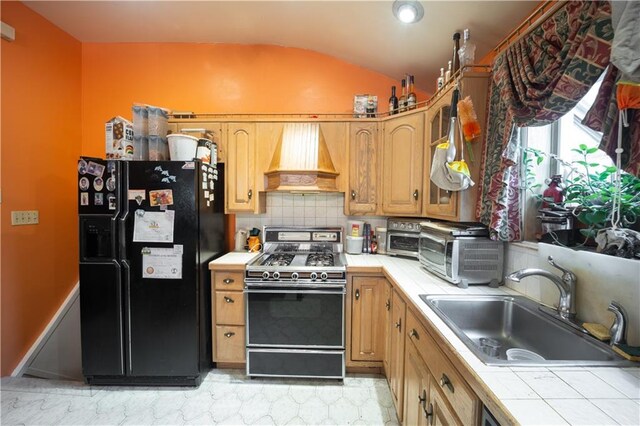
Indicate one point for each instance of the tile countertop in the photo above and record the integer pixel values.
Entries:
(531, 395)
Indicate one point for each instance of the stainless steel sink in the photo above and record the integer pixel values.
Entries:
(491, 325)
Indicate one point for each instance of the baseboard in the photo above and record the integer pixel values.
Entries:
(33, 351)
(42, 374)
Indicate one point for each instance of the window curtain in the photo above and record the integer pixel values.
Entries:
(536, 81)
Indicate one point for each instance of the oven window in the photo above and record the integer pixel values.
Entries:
(295, 319)
(398, 242)
(432, 251)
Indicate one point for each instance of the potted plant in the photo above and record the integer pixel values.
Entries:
(589, 190)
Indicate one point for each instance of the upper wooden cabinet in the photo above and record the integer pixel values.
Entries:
(402, 165)
(362, 194)
(240, 171)
(368, 333)
(455, 205)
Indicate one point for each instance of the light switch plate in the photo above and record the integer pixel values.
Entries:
(25, 217)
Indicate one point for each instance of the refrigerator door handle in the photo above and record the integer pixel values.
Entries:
(126, 281)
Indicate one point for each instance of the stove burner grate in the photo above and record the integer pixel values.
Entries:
(278, 259)
(319, 259)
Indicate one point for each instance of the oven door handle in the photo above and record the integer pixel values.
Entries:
(431, 237)
(296, 291)
(404, 234)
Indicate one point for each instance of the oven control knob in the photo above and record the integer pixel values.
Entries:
(313, 276)
(418, 227)
(294, 276)
(265, 275)
(324, 276)
(410, 226)
(276, 275)
(402, 226)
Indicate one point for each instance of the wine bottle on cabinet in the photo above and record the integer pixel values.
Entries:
(447, 74)
(455, 61)
(402, 102)
(411, 97)
(441, 79)
(393, 101)
(467, 52)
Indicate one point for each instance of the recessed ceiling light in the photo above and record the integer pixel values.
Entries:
(408, 11)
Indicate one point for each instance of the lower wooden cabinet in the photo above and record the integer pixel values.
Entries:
(388, 300)
(229, 343)
(368, 334)
(228, 316)
(438, 411)
(416, 388)
(396, 362)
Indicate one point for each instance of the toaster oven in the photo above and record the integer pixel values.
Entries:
(403, 236)
(461, 254)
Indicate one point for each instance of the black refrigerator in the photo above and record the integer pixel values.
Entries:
(148, 230)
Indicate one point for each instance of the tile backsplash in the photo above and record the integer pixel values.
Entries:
(601, 279)
(286, 209)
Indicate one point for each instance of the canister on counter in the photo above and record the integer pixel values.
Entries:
(381, 237)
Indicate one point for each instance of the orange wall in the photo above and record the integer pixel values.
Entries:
(41, 141)
(217, 78)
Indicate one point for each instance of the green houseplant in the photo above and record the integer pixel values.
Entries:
(589, 190)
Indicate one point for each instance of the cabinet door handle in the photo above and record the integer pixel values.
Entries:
(229, 334)
(353, 194)
(428, 413)
(228, 281)
(399, 323)
(357, 294)
(228, 299)
(388, 305)
(444, 381)
(250, 194)
(414, 333)
(415, 194)
(422, 399)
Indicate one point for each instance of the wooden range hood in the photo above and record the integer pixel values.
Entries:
(301, 161)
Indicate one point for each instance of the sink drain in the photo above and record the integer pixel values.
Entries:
(490, 346)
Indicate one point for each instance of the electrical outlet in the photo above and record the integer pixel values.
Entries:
(25, 217)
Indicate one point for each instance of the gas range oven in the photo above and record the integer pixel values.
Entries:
(295, 304)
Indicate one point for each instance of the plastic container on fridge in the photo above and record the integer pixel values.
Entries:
(182, 147)
(158, 148)
(158, 121)
(140, 148)
(140, 120)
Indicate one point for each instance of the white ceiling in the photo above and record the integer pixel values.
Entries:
(364, 33)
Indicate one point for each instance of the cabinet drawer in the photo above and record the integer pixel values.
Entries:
(230, 344)
(229, 308)
(228, 280)
(447, 378)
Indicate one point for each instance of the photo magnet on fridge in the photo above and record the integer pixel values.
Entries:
(161, 197)
(83, 183)
(82, 167)
(95, 169)
(98, 200)
(111, 200)
(84, 198)
(98, 184)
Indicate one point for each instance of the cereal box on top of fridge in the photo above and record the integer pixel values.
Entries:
(119, 139)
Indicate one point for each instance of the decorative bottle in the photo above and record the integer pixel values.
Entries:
(402, 102)
(447, 74)
(467, 52)
(411, 97)
(455, 60)
(441, 79)
(393, 101)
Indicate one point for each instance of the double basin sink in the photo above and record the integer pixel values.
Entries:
(514, 330)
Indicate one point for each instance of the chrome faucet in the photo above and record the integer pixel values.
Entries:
(619, 328)
(566, 284)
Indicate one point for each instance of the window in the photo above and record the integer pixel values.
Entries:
(558, 139)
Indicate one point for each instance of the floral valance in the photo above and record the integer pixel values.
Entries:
(535, 82)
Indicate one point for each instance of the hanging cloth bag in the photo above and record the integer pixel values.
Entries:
(446, 172)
